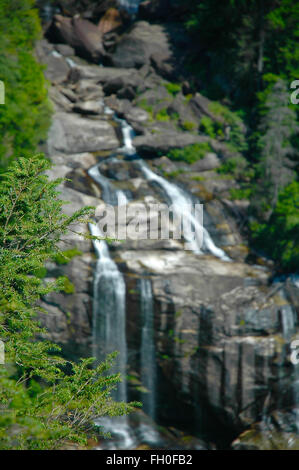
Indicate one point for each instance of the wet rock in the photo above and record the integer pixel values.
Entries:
(72, 134)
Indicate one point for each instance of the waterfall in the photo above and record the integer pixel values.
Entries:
(109, 316)
(109, 334)
(109, 194)
(147, 359)
(182, 204)
(128, 136)
(178, 198)
(109, 319)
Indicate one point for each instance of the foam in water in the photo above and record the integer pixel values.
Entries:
(109, 194)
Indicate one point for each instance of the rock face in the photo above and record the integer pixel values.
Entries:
(80, 34)
(72, 134)
(153, 145)
(143, 44)
(222, 330)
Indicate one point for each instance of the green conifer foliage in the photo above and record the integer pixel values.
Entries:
(45, 400)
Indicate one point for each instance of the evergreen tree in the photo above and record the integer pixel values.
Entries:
(278, 124)
(45, 399)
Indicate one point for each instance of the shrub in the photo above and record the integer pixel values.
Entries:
(242, 193)
(45, 399)
(25, 117)
(162, 115)
(173, 88)
(279, 238)
(234, 166)
(65, 257)
(191, 153)
(189, 126)
(236, 137)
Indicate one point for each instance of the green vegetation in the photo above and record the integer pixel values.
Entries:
(279, 237)
(47, 399)
(198, 178)
(210, 127)
(191, 153)
(189, 126)
(148, 108)
(67, 286)
(66, 256)
(232, 128)
(25, 117)
(173, 88)
(242, 193)
(234, 166)
(175, 173)
(162, 115)
(248, 58)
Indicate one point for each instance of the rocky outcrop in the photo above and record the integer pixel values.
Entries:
(221, 328)
(72, 134)
(80, 34)
(143, 44)
(162, 141)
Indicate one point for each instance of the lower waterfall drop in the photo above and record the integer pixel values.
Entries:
(147, 356)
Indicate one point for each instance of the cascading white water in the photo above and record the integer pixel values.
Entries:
(128, 136)
(180, 200)
(109, 316)
(147, 359)
(182, 204)
(109, 324)
(109, 194)
(109, 334)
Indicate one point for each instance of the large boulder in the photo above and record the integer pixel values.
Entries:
(80, 34)
(151, 145)
(57, 68)
(143, 44)
(72, 134)
(220, 335)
